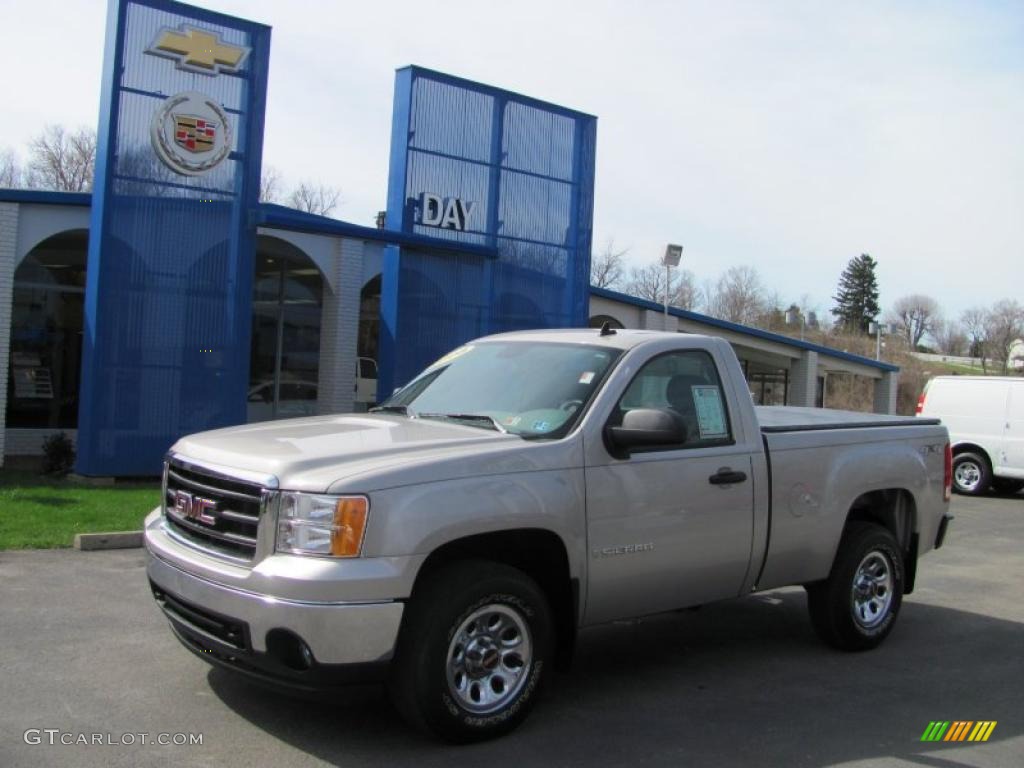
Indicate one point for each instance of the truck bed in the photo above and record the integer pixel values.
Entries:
(821, 461)
(778, 418)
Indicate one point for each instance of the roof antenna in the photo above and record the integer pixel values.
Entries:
(606, 328)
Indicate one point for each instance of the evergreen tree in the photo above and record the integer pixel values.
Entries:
(857, 297)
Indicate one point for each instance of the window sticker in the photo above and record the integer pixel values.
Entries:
(540, 426)
(710, 411)
(587, 377)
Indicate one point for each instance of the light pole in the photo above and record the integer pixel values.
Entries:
(878, 329)
(673, 253)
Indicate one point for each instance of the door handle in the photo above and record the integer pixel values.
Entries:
(726, 476)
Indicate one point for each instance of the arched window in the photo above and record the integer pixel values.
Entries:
(284, 366)
(369, 318)
(46, 334)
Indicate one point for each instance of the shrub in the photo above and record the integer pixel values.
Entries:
(58, 454)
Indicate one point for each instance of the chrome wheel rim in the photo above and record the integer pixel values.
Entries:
(872, 589)
(489, 658)
(967, 475)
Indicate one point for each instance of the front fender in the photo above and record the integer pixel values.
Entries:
(421, 518)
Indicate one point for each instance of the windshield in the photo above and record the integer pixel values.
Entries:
(533, 389)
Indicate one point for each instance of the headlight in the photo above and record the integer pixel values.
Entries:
(308, 524)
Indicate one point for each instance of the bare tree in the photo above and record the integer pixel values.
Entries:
(739, 296)
(950, 338)
(686, 294)
(916, 315)
(271, 183)
(647, 282)
(315, 197)
(772, 315)
(607, 268)
(1004, 325)
(975, 325)
(10, 169)
(62, 160)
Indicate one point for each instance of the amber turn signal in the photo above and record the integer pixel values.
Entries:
(350, 515)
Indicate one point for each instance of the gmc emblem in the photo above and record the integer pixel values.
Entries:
(195, 508)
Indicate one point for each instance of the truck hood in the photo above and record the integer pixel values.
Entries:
(359, 452)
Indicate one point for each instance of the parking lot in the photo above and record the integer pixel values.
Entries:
(84, 650)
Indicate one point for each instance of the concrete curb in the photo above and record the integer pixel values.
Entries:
(88, 542)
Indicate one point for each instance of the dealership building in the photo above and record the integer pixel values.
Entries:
(170, 300)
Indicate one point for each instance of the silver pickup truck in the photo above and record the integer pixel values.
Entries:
(524, 486)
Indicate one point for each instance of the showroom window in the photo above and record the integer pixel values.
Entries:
(287, 304)
(46, 334)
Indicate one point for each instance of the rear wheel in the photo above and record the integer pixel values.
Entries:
(855, 608)
(971, 474)
(473, 653)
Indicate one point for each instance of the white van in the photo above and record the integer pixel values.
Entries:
(985, 418)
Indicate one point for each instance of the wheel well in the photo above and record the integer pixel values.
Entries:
(539, 553)
(971, 448)
(895, 510)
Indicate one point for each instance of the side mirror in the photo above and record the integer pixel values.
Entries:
(647, 427)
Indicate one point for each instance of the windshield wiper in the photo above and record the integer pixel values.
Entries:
(402, 409)
(488, 422)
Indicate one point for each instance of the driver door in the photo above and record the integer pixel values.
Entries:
(662, 532)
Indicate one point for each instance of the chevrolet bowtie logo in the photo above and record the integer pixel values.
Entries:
(198, 50)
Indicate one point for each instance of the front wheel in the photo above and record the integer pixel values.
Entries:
(473, 652)
(855, 608)
(971, 475)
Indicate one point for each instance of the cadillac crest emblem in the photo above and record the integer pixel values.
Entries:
(191, 133)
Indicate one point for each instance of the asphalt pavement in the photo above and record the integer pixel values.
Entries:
(86, 655)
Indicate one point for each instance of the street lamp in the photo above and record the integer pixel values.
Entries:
(878, 329)
(673, 253)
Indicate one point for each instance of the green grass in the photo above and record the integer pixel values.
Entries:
(37, 512)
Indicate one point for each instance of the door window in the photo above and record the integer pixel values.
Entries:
(688, 384)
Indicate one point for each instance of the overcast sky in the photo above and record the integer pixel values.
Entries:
(790, 136)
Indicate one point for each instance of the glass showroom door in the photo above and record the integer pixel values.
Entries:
(285, 359)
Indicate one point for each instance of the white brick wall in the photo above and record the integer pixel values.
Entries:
(803, 380)
(339, 330)
(656, 321)
(885, 392)
(8, 245)
(29, 442)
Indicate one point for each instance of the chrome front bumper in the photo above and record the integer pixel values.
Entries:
(336, 633)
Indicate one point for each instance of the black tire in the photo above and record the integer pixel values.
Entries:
(971, 474)
(853, 620)
(1007, 485)
(490, 605)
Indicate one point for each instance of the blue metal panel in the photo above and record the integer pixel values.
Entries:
(169, 281)
(528, 168)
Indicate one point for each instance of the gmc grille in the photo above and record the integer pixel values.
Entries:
(230, 510)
